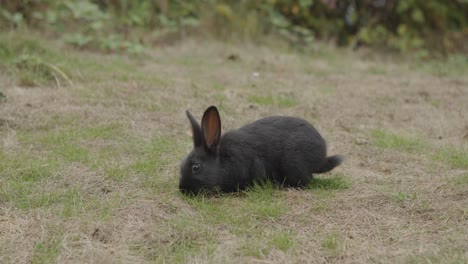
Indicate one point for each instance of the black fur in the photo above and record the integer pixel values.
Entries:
(286, 150)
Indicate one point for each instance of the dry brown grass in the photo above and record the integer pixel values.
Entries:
(105, 155)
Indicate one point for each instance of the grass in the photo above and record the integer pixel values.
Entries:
(450, 155)
(46, 252)
(34, 62)
(331, 241)
(452, 66)
(89, 170)
(282, 241)
(447, 256)
(385, 139)
(263, 245)
(455, 157)
(22, 173)
(280, 101)
(337, 182)
(377, 70)
(263, 201)
(459, 180)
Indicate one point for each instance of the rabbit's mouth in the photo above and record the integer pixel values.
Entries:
(195, 188)
(188, 189)
(192, 187)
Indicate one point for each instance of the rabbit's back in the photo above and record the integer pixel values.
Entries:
(290, 149)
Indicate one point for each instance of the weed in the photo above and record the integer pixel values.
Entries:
(34, 71)
(31, 61)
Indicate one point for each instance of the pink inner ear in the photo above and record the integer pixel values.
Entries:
(212, 129)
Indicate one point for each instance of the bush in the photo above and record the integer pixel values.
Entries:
(404, 25)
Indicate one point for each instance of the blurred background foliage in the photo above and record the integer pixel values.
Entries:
(422, 26)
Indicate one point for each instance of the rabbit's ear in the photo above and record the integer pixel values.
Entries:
(196, 130)
(211, 128)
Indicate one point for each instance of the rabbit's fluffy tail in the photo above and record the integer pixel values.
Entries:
(330, 163)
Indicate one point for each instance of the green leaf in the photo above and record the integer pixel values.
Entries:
(418, 16)
(305, 3)
(403, 6)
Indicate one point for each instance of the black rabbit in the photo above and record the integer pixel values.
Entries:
(286, 150)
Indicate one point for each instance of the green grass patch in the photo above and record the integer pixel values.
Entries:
(23, 174)
(455, 65)
(403, 197)
(219, 87)
(282, 241)
(385, 139)
(244, 215)
(337, 182)
(34, 61)
(264, 201)
(71, 153)
(240, 211)
(75, 202)
(416, 203)
(111, 131)
(46, 251)
(30, 181)
(280, 101)
(68, 144)
(455, 157)
(331, 241)
(260, 245)
(71, 203)
(451, 155)
(114, 170)
(153, 160)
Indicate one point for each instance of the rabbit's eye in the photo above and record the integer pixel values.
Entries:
(196, 168)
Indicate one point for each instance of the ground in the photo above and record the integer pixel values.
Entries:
(91, 145)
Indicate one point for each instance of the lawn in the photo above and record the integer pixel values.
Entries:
(91, 145)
